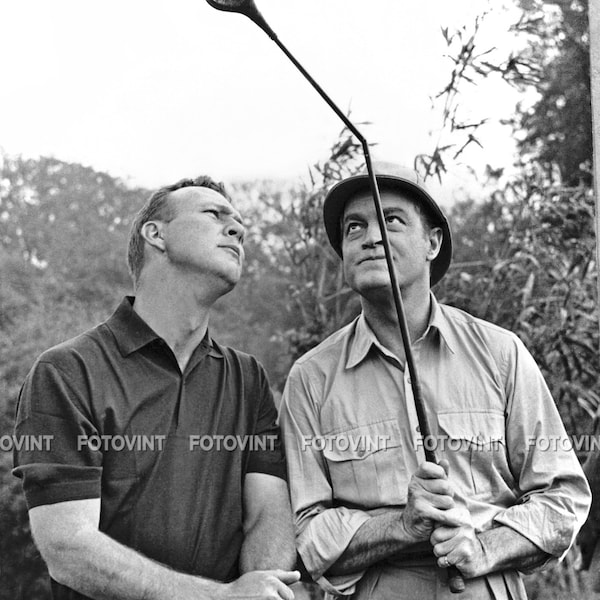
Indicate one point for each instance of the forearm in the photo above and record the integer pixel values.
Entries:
(269, 545)
(377, 539)
(268, 527)
(503, 548)
(97, 566)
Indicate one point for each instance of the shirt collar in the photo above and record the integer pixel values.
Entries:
(131, 332)
(364, 338)
(361, 343)
(438, 320)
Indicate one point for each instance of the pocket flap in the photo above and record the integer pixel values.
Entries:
(475, 426)
(361, 442)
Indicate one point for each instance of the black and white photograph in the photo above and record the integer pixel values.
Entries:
(299, 300)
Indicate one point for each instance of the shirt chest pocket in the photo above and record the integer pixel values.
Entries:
(367, 464)
(475, 444)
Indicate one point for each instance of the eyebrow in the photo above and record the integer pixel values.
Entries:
(353, 217)
(390, 210)
(360, 216)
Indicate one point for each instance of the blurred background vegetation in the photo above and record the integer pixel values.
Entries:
(524, 253)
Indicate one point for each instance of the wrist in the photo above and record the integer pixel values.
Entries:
(405, 536)
(191, 586)
(484, 564)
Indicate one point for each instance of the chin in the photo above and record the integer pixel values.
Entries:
(375, 293)
(230, 281)
(233, 280)
(366, 284)
(223, 281)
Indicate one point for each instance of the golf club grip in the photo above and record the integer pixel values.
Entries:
(456, 583)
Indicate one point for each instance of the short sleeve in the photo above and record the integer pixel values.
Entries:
(265, 450)
(49, 455)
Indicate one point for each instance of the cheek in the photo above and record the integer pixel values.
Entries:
(184, 241)
(347, 273)
(349, 249)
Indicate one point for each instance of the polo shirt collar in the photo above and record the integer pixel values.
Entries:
(364, 338)
(131, 332)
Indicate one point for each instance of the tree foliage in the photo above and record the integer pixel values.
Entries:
(316, 291)
(550, 66)
(557, 130)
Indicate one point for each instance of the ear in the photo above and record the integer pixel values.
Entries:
(152, 232)
(435, 242)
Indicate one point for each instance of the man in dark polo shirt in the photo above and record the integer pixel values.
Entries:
(164, 476)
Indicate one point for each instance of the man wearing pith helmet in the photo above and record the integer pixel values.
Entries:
(373, 519)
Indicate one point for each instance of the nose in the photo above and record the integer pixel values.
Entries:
(372, 235)
(236, 229)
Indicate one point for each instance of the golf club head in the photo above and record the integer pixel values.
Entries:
(232, 5)
(244, 7)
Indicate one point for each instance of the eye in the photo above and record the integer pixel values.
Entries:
(352, 226)
(394, 220)
(213, 211)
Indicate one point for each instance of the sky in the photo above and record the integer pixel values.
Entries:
(152, 91)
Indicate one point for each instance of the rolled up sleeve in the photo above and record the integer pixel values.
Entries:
(322, 540)
(554, 496)
(323, 531)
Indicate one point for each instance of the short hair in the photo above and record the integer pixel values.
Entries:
(158, 206)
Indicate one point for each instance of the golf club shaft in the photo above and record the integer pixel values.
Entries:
(455, 580)
(323, 94)
(397, 296)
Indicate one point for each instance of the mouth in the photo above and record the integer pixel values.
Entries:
(370, 259)
(235, 250)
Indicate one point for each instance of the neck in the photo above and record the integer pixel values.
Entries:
(177, 313)
(383, 319)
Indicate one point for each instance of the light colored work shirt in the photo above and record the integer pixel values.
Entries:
(352, 439)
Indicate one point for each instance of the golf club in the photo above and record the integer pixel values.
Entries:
(249, 9)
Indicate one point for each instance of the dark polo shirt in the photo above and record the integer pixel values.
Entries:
(165, 451)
